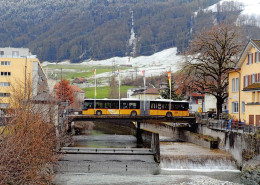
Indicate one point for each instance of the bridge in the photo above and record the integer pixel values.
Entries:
(189, 120)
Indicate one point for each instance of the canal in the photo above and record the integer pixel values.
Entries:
(181, 163)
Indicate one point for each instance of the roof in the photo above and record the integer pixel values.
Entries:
(76, 89)
(197, 94)
(254, 86)
(80, 79)
(44, 97)
(251, 43)
(151, 91)
(147, 91)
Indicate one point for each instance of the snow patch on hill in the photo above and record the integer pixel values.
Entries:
(249, 7)
(153, 65)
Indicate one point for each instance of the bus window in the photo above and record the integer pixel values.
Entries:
(163, 106)
(184, 106)
(99, 105)
(124, 105)
(132, 105)
(115, 105)
(153, 106)
(159, 106)
(166, 106)
(88, 104)
(107, 105)
(177, 106)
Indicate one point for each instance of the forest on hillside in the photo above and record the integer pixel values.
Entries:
(98, 29)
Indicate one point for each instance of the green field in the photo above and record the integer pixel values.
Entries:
(103, 92)
(83, 71)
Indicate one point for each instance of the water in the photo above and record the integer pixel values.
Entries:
(181, 163)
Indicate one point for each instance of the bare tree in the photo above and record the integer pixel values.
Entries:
(28, 141)
(113, 88)
(211, 55)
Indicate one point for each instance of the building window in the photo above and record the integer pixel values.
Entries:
(5, 63)
(4, 94)
(233, 85)
(253, 97)
(237, 84)
(15, 53)
(5, 84)
(4, 105)
(234, 107)
(246, 80)
(253, 78)
(243, 107)
(2, 52)
(5, 73)
(250, 57)
(257, 56)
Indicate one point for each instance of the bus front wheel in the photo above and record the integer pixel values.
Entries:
(133, 113)
(99, 113)
(168, 114)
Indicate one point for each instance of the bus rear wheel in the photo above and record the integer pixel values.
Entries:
(168, 114)
(133, 113)
(99, 113)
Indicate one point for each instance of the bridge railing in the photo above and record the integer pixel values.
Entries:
(234, 126)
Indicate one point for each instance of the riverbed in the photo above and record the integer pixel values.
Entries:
(181, 163)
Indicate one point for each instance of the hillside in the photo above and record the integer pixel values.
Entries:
(100, 29)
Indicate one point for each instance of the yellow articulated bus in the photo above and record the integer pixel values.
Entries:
(134, 107)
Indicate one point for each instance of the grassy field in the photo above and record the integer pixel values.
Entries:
(103, 92)
(73, 71)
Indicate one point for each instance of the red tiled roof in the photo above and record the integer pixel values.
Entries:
(197, 94)
(76, 89)
(81, 79)
(152, 91)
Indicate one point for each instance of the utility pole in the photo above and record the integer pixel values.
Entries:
(61, 84)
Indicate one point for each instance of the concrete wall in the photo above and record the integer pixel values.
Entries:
(240, 145)
(149, 139)
(162, 129)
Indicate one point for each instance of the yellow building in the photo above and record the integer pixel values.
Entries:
(244, 85)
(19, 70)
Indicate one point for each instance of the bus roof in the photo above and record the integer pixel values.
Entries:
(133, 99)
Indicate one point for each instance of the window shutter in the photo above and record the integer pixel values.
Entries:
(255, 56)
(258, 77)
(258, 58)
(248, 59)
(244, 81)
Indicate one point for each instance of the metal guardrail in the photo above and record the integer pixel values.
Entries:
(122, 151)
(233, 126)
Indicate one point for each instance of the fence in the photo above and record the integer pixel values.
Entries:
(234, 126)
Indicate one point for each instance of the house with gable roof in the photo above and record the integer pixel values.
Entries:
(244, 85)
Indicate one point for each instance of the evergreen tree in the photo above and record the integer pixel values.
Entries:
(174, 95)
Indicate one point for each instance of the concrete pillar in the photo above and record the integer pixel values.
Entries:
(72, 128)
(139, 135)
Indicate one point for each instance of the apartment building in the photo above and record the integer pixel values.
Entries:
(19, 70)
(244, 85)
